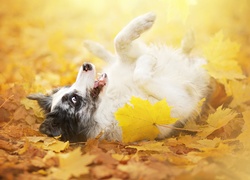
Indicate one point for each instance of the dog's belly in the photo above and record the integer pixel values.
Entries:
(182, 92)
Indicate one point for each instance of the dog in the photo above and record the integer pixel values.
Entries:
(153, 72)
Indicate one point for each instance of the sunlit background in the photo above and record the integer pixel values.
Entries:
(41, 42)
(41, 47)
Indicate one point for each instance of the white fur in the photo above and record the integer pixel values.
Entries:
(84, 79)
(149, 72)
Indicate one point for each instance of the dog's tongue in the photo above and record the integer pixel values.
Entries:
(101, 81)
(96, 84)
(99, 84)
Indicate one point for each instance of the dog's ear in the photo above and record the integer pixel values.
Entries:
(44, 101)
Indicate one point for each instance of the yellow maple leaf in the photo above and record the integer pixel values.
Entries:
(239, 91)
(57, 146)
(151, 146)
(244, 136)
(140, 118)
(72, 164)
(217, 120)
(48, 143)
(32, 105)
(221, 55)
(205, 144)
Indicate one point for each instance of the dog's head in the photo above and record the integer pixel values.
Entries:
(69, 110)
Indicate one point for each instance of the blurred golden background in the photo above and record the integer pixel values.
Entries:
(42, 41)
(41, 47)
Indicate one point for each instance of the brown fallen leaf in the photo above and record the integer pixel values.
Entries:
(140, 170)
(48, 143)
(38, 162)
(102, 172)
(72, 164)
(7, 146)
(57, 146)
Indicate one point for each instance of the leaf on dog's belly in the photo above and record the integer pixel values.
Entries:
(139, 119)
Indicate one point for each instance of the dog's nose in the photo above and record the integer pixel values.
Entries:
(87, 67)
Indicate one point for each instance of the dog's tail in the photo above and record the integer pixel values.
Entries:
(99, 51)
(188, 42)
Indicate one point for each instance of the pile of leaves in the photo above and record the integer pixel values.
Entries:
(41, 49)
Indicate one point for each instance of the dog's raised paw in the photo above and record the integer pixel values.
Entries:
(134, 29)
(143, 23)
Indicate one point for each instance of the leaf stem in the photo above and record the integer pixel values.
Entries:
(181, 129)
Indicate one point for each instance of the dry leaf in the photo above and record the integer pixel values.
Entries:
(48, 143)
(138, 170)
(72, 164)
(221, 55)
(151, 146)
(240, 93)
(58, 146)
(217, 120)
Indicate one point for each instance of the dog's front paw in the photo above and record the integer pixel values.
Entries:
(141, 24)
(144, 22)
(134, 29)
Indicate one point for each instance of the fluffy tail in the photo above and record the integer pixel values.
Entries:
(188, 42)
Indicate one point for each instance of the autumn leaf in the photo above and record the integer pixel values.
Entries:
(205, 144)
(140, 118)
(24, 148)
(32, 105)
(138, 170)
(244, 137)
(221, 117)
(217, 120)
(57, 146)
(221, 55)
(71, 164)
(151, 146)
(239, 90)
(48, 143)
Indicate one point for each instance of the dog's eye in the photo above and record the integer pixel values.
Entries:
(74, 99)
(54, 124)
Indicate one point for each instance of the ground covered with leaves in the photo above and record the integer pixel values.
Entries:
(41, 48)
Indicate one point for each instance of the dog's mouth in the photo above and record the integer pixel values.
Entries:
(86, 78)
(98, 85)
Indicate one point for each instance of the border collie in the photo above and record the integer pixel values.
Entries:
(87, 108)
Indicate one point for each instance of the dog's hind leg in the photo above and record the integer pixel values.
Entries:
(143, 71)
(188, 42)
(158, 89)
(162, 87)
(124, 39)
(144, 77)
(99, 51)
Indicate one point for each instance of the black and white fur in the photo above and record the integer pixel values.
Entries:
(86, 108)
